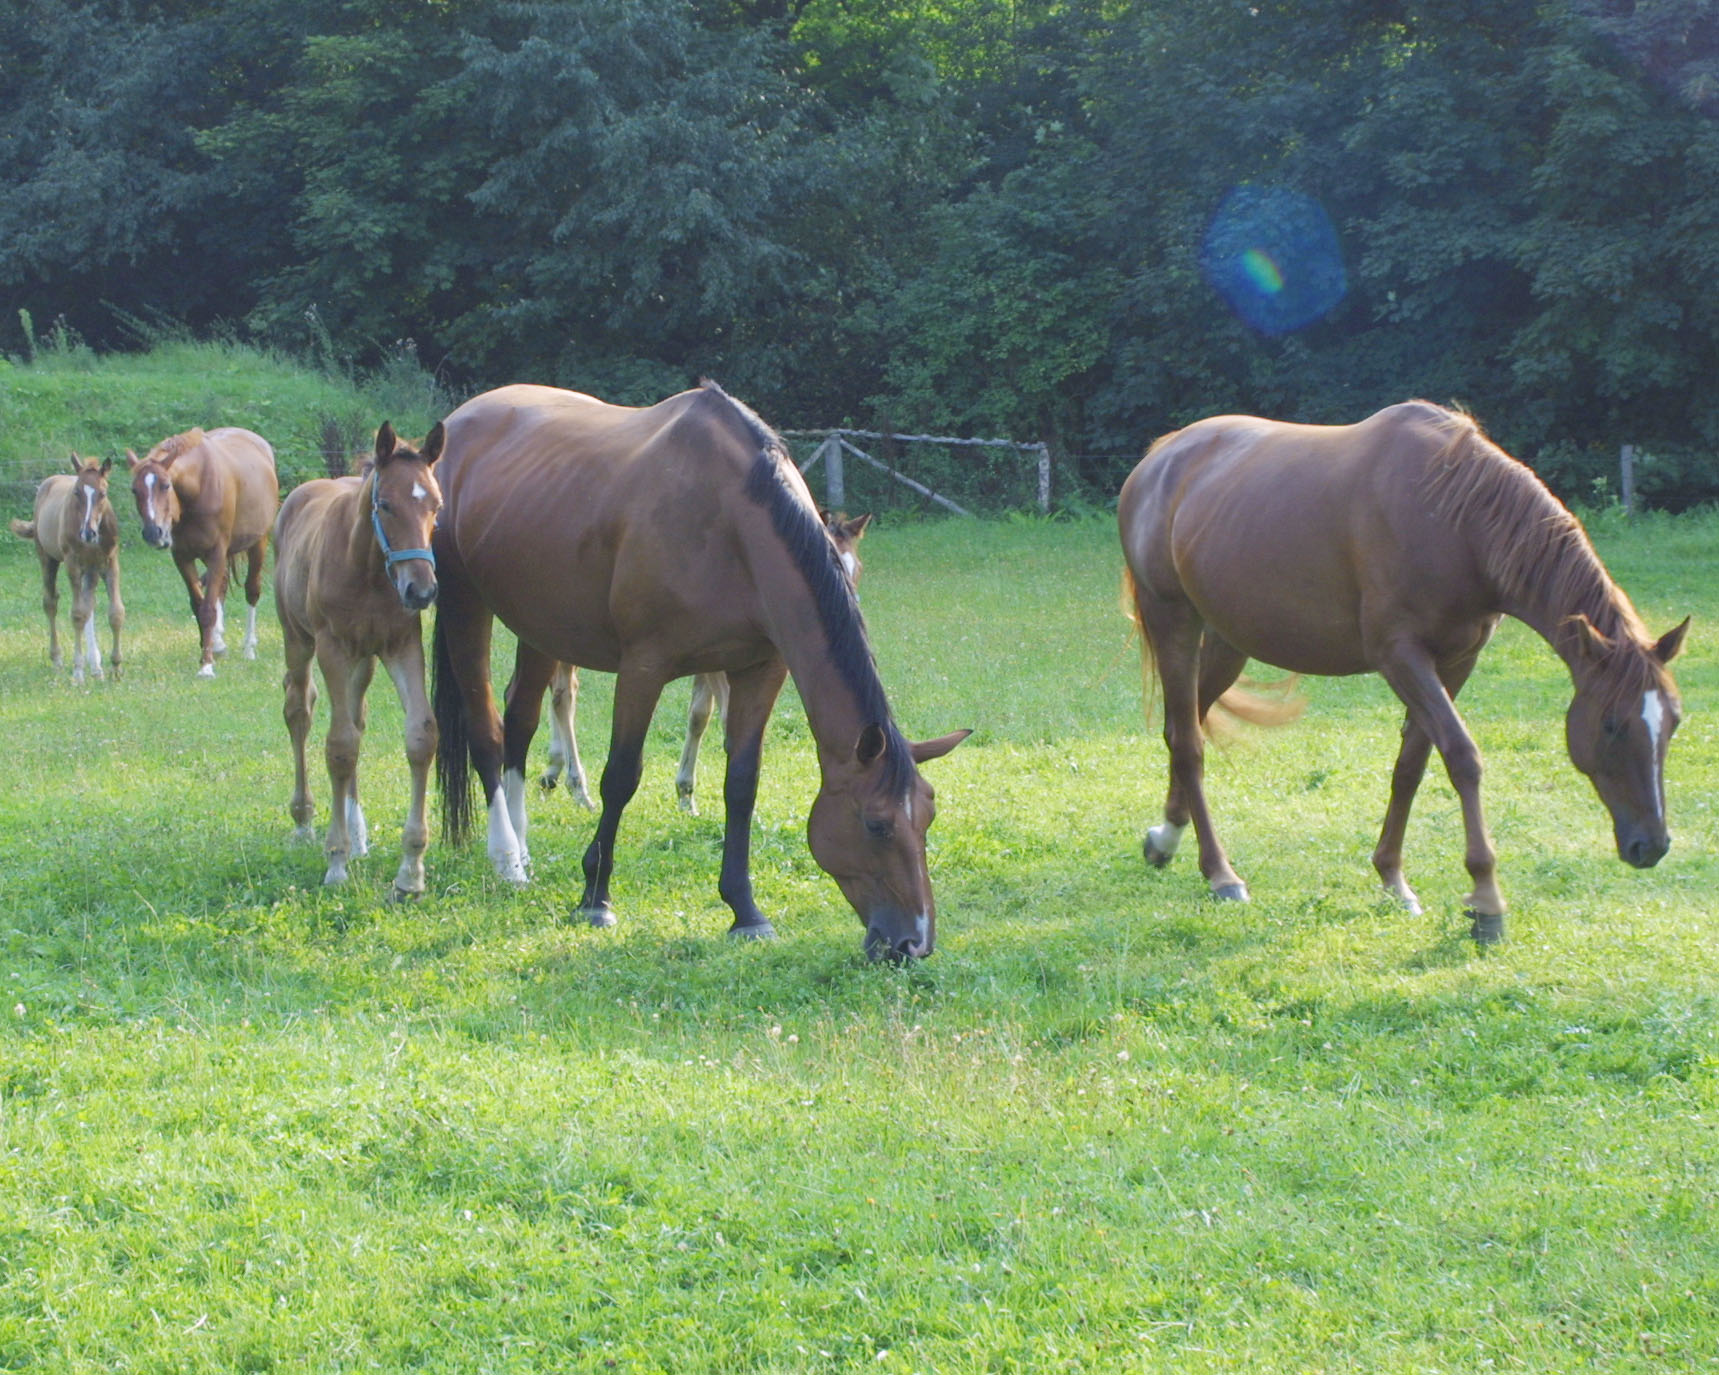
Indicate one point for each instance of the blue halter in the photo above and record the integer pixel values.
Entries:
(393, 556)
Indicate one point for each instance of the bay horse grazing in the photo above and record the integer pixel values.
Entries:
(655, 543)
(353, 570)
(74, 525)
(1392, 546)
(709, 693)
(210, 496)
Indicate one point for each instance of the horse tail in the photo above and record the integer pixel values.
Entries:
(453, 751)
(24, 529)
(1257, 704)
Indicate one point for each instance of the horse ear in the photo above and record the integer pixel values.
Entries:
(106, 463)
(871, 745)
(1589, 641)
(386, 443)
(1670, 644)
(856, 527)
(77, 463)
(131, 460)
(936, 749)
(433, 442)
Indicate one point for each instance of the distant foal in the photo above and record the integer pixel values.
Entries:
(709, 693)
(210, 496)
(74, 525)
(353, 570)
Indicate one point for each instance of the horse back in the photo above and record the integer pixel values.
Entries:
(588, 526)
(1301, 544)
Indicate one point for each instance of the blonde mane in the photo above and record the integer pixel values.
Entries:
(175, 445)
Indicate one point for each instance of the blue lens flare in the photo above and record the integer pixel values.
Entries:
(1273, 256)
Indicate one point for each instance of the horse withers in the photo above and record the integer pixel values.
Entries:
(656, 543)
(210, 496)
(709, 694)
(353, 572)
(1392, 546)
(74, 525)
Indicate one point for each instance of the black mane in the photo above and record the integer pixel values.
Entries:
(812, 552)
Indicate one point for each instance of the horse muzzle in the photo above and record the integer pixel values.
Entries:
(157, 536)
(89, 534)
(896, 937)
(417, 596)
(1641, 851)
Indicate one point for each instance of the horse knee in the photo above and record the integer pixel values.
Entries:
(422, 739)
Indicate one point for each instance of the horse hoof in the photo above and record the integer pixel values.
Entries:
(207, 671)
(1154, 856)
(1487, 928)
(1231, 892)
(686, 801)
(601, 917)
(334, 877)
(759, 930)
(546, 784)
(397, 894)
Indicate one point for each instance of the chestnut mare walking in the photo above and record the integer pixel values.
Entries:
(1392, 546)
(210, 496)
(353, 570)
(709, 693)
(655, 543)
(74, 525)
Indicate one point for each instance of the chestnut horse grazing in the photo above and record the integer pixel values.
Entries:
(210, 496)
(353, 570)
(655, 543)
(74, 525)
(1392, 546)
(709, 693)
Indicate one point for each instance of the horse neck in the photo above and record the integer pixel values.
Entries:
(362, 550)
(1575, 584)
(841, 694)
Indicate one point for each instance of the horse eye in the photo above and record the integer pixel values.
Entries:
(1611, 726)
(879, 828)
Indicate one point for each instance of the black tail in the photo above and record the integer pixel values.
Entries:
(453, 754)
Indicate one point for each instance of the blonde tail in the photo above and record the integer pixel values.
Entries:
(24, 529)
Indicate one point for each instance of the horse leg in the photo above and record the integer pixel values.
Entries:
(636, 694)
(532, 672)
(1405, 781)
(347, 680)
(51, 607)
(563, 744)
(1220, 665)
(704, 694)
(253, 591)
(1412, 676)
(201, 608)
(752, 696)
(1175, 632)
(300, 689)
(406, 668)
(86, 652)
(115, 607)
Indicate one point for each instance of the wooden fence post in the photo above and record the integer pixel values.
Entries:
(834, 485)
(1626, 460)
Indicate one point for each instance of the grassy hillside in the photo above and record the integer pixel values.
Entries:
(72, 399)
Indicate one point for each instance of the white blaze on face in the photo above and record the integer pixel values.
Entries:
(850, 563)
(89, 507)
(1653, 716)
(418, 492)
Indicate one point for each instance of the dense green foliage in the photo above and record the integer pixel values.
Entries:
(973, 215)
(247, 1124)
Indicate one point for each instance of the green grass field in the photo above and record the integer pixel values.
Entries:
(249, 1124)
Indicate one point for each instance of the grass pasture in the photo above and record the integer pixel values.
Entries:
(248, 1124)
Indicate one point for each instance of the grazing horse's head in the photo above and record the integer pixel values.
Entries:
(91, 496)
(867, 831)
(404, 500)
(1625, 710)
(152, 489)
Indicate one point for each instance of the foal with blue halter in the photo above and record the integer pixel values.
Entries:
(353, 570)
